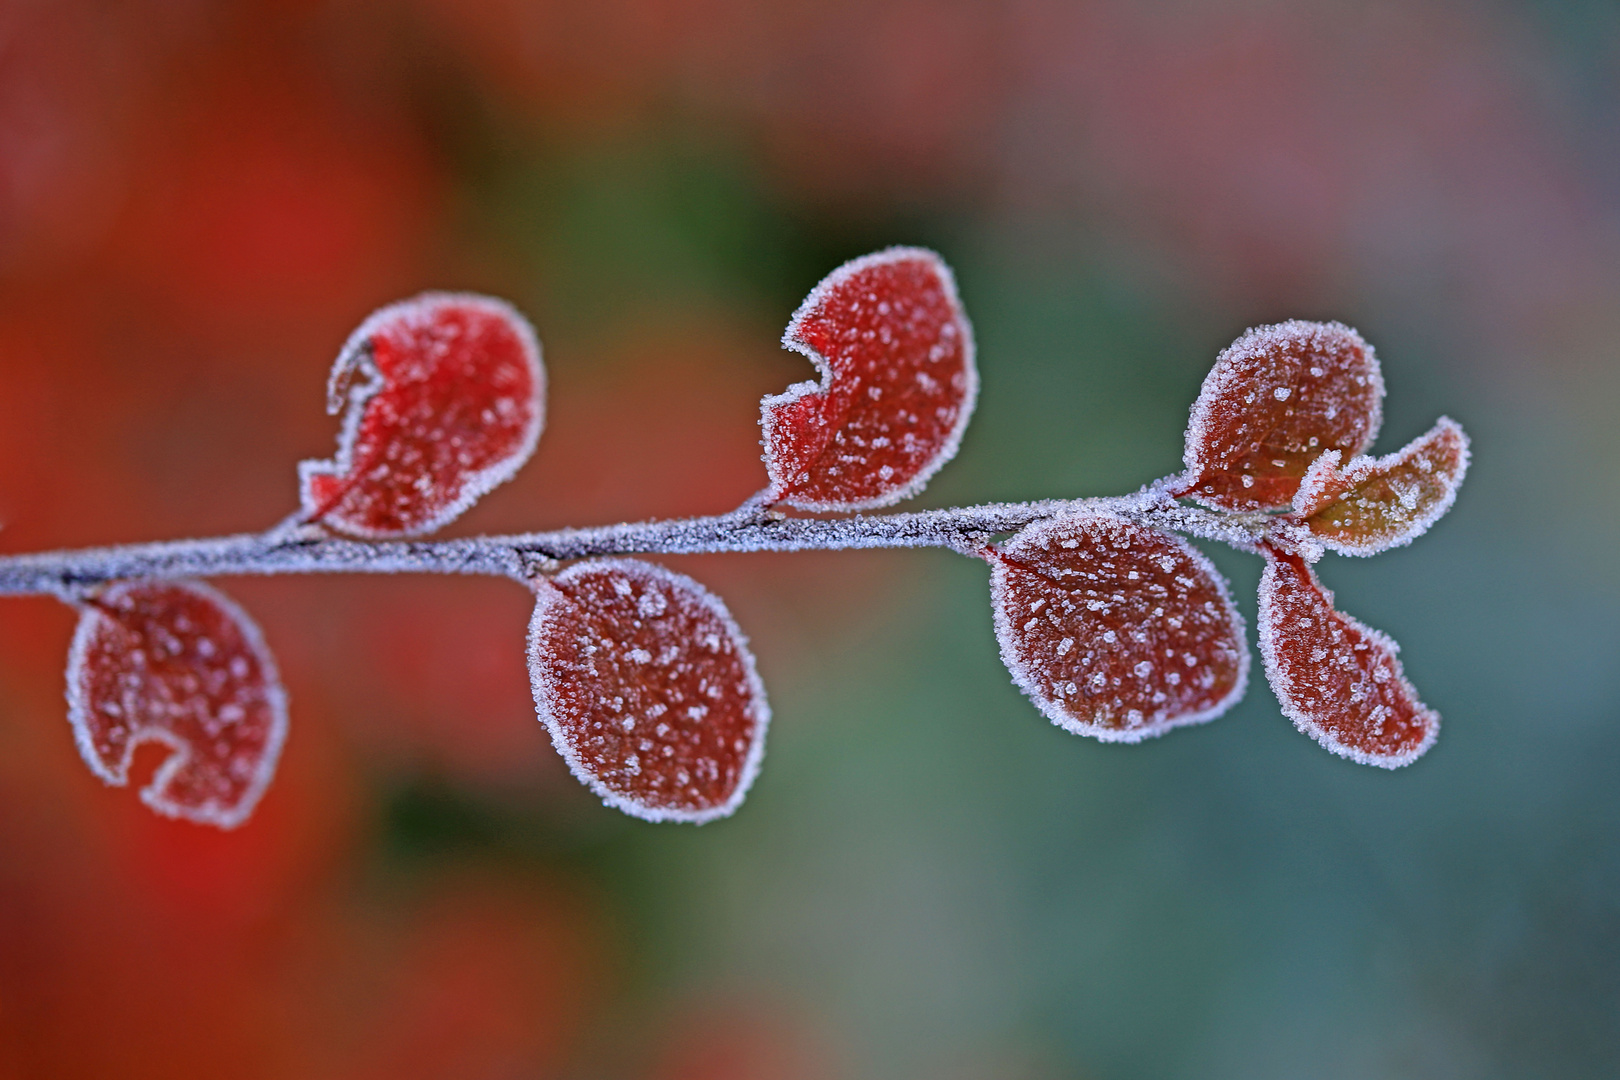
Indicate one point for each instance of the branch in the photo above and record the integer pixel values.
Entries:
(295, 548)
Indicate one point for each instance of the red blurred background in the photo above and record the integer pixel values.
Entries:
(200, 198)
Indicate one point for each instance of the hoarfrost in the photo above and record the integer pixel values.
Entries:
(443, 398)
(177, 663)
(1276, 398)
(696, 769)
(1338, 680)
(1164, 598)
(889, 324)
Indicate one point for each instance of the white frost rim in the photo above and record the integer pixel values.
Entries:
(1283, 687)
(1326, 469)
(1246, 347)
(543, 683)
(792, 342)
(117, 774)
(1050, 708)
(355, 356)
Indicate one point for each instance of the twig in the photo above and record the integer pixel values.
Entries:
(310, 549)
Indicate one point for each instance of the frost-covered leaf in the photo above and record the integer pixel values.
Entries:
(1373, 504)
(648, 689)
(443, 398)
(177, 663)
(895, 353)
(1114, 629)
(1277, 399)
(1337, 680)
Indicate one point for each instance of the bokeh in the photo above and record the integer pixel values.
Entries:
(200, 198)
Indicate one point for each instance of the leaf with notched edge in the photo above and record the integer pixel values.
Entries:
(443, 398)
(179, 664)
(895, 353)
(1114, 629)
(1373, 504)
(648, 689)
(1277, 399)
(1337, 680)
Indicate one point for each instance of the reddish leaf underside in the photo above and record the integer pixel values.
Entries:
(443, 399)
(1374, 504)
(178, 664)
(1337, 680)
(1277, 399)
(1114, 629)
(895, 353)
(648, 689)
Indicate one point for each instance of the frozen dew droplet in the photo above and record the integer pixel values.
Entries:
(1337, 680)
(1119, 597)
(591, 640)
(1277, 398)
(443, 398)
(894, 350)
(177, 663)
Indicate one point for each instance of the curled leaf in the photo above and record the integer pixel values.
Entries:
(1373, 504)
(1114, 629)
(648, 689)
(1337, 680)
(443, 398)
(177, 663)
(895, 353)
(1277, 399)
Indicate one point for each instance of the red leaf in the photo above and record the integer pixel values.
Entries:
(1114, 629)
(1337, 680)
(1277, 399)
(177, 663)
(443, 398)
(648, 689)
(1373, 504)
(895, 353)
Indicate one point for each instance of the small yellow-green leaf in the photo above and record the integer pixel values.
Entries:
(1373, 504)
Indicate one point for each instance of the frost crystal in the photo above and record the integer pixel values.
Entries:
(442, 399)
(1373, 504)
(895, 353)
(1337, 680)
(1278, 398)
(1114, 629)
(648, 689)
(179, 664)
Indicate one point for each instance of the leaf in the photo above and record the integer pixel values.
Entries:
(1277, 399)
(648, 689)
(443, 398)
(895, 353)
(1373, 504)
(1337, 680)
(1114, 629)
(177, 663)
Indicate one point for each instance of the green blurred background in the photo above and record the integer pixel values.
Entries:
(198, 200)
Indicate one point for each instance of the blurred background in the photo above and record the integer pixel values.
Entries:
(199, 199)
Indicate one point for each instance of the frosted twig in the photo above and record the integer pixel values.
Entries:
(751, 527)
